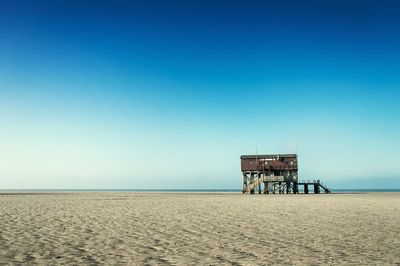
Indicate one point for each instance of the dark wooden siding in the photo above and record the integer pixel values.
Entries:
(269, 162)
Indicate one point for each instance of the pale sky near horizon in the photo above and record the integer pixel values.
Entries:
(169, 94)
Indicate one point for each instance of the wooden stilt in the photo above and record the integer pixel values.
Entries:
(316, 188)
(305, 188)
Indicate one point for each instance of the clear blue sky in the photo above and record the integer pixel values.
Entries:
(169, 94)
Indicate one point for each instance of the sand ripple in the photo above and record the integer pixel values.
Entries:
(199, 229)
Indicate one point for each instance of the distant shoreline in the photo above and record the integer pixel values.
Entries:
(195, 191)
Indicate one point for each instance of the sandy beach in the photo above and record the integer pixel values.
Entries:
(199, 229)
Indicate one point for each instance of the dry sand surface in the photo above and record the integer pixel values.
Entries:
(199, 229)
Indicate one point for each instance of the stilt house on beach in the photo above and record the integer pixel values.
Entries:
(274, 173)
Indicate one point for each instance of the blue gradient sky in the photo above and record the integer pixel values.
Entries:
(169, 94)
